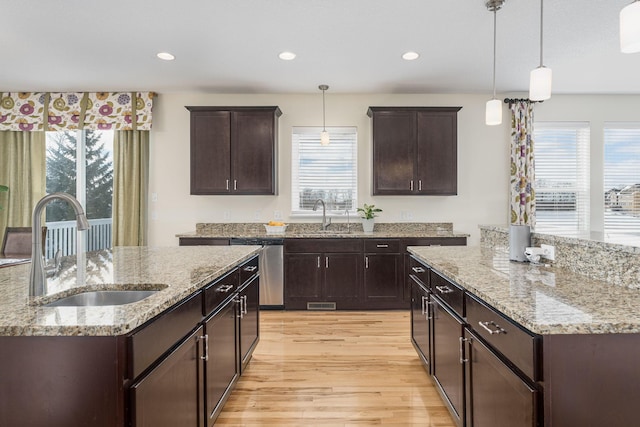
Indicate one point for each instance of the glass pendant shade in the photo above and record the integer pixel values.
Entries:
(630, 28)
(540, 84)
(493, 113)
(324, 138)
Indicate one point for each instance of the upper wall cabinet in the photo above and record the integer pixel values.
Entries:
(234, 150)
(415, 150)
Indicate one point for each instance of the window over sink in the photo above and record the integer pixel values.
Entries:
(327, 172)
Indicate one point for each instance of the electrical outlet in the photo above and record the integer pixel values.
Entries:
(277, 215)
(549, 252)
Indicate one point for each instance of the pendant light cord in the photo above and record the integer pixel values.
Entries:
(494, 53)
(323, 120)
(541, 21)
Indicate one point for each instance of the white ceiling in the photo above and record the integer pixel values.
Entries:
(354, 46)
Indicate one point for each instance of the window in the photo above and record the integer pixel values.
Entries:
(324, 172)
(562, 177)
(79, 163)
(622, 178)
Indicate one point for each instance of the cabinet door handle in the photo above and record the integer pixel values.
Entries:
(224, 288)
(239, 300)
(444, 289)
(366, 262)
(417, 269)
(245, 304)
(424, 305)
(235, 184)
(227, 184)
(427, 304)
(326, 262)
(250, 268)
(462, 359)
(419, 185)
(318, 261)
(498, 330)
(205, 337)
(411, 185)
(382, 246)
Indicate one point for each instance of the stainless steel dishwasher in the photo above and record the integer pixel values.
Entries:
(271, 270)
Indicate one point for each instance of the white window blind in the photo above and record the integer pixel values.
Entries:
(622, 178)
(562, 177)
(324, 172)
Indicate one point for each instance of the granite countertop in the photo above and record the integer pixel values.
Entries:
(313, 230)
(176, 271)
(545, 300)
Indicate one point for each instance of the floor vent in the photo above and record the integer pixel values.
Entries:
(321, 306)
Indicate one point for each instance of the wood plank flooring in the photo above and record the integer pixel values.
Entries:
(337, 369)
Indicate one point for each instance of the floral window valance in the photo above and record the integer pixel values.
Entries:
(56, 111)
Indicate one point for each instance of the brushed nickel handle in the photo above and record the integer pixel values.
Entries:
(245, 305)
(382, 246)
(498, 330)
(417, 269)
(444, 289)
(318, 261)
(227, 184)
(205, 337)
(462, 359)
(326, 262)
(424, 305)
(411, 185)
(419, 185)
(224, 288)
(366, 262)
(250, 268)
(239, 300)
(235, 184)
(428, 315)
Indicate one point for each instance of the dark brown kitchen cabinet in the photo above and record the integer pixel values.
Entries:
(496, 395)
(169, 395)
(421, 316)
(249, 324)
(234, 150)
(414, 150)
(323, 273)
(383, 274)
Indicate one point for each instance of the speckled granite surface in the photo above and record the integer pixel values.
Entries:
(177, 272)
(546, 300)
(337, 230)
(615, 263)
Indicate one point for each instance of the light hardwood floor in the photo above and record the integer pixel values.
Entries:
(337, 369)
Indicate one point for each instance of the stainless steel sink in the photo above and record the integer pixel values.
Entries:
(101, 298)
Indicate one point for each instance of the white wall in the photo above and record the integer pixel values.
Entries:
(483, 163)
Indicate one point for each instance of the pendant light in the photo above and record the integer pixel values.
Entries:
(493, 112)
(540, 79)
(630, 28)
(324, 135)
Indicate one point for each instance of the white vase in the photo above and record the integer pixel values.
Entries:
(367, 225)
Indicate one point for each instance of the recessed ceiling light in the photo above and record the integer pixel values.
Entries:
(287, 56)
(166, 56)
(410, 56)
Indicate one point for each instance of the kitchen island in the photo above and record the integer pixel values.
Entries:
(113, 365)
(540, 345)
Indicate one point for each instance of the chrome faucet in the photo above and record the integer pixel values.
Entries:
(38, 278)
(325, 223)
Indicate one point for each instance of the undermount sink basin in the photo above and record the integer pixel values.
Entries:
(101, 298)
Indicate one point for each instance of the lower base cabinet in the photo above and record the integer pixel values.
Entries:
(496, 395)
(249, 333)
(168, 395)
(421, 315)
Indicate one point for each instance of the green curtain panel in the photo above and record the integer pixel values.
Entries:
(130, 187)
(22, 169)
(522, 197)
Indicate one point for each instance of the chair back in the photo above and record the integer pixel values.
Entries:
(17, 242)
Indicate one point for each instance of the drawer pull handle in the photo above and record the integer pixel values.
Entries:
(424, 304)
(250, 268)
(382, 246)
(224, 288)
(444, 289)
(417, 269)
(498, 330)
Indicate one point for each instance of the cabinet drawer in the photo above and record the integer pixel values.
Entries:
(323, 245)
(158, 336)
(435, 241)
(218, 291)
(248, 270)
(447, 291)
(515, 343)
(382, 245)
(203, 241)
(419, 271)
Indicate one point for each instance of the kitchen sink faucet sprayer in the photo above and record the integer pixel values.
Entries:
(38, 278)
(325, 224)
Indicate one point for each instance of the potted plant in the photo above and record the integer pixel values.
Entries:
(368, 213)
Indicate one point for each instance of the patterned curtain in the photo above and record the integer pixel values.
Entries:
(29, 111)
(522, 197)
